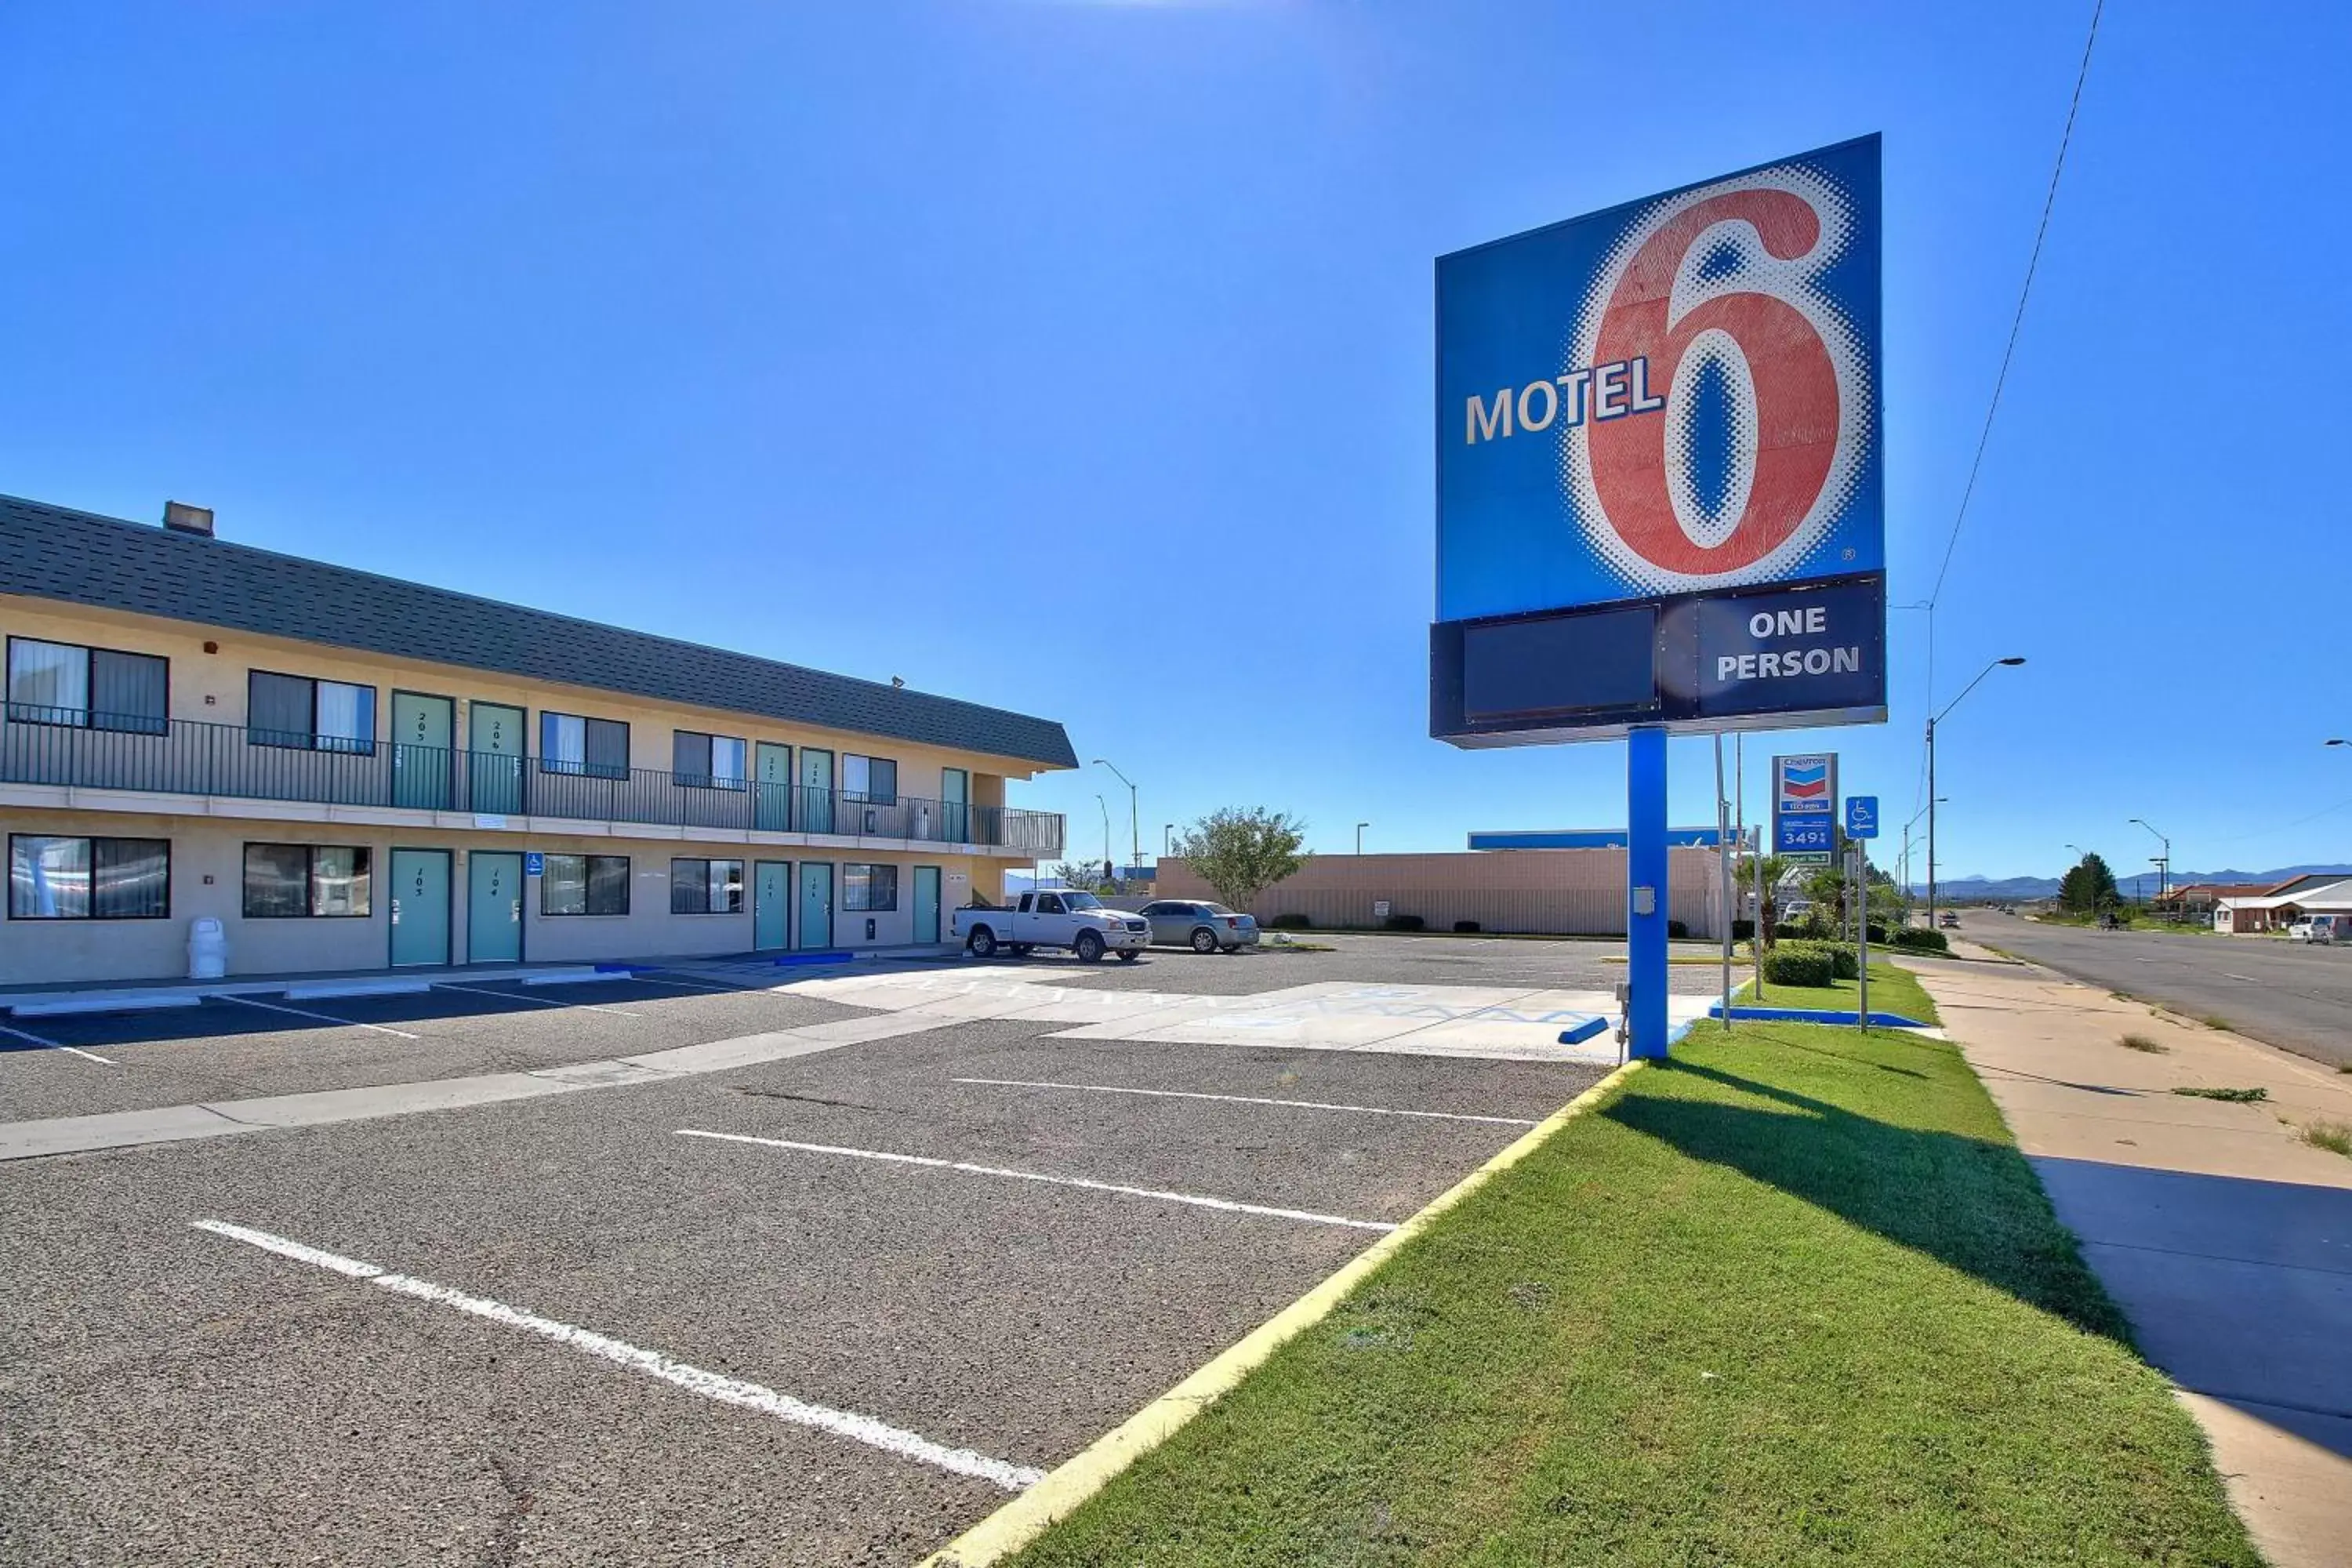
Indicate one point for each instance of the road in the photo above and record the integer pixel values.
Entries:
(2292, 996)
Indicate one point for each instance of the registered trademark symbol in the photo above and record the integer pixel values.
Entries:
(1849, 553)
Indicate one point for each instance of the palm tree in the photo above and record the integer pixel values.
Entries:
(1769, 870)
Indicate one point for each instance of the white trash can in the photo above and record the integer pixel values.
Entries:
(207, 949)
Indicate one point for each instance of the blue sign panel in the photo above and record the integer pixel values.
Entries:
(1604, 838)
(1804, 835)
(534, 864)
(1861, 816)
(1670, 400)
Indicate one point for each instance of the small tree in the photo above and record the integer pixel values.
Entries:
(1769, 870)
(1084, 875)
(2088, 887)
(1242, 853)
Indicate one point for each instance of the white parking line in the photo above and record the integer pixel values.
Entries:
(847, 1424)
(713, 986)
(1195, 1200)
(322, 1017)
(542, 1001)
(58, 1046)
(1248, 1100)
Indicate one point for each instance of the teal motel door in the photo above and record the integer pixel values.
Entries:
(772, 905)
(772, 776)
(494, 907)
(421, 729)
(495, 740)
(817, 905)
(420, 907)
(926, 903)
(816, 793)
(955, 805)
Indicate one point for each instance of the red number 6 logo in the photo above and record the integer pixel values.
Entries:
(1799, 386)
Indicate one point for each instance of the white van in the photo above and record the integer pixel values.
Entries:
(2320, 928)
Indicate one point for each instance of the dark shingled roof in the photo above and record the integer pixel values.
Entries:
(54, 553)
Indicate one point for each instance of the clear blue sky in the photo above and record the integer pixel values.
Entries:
(867, 336)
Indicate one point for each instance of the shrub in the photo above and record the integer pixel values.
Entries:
(1839, 958)
(1877, 935)
(1919, 938)
(1677, 931)
(1743, 931)
(1466, 928)
(1290, 922)
(1798, 964)
(1401, 922)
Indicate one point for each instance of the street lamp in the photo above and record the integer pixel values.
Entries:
(1359, 836)
(1105, 814)
(2163, 866)
(1168, 841)
(1938, 718)
(1134, 834)
(1940, 800)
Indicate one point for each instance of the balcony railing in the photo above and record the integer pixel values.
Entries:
(44, 746)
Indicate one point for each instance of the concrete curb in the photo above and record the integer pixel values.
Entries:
(1027, 1517)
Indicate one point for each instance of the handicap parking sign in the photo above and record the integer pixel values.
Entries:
(1861, 816)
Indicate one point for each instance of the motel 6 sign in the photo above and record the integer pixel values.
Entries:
(1660, 470)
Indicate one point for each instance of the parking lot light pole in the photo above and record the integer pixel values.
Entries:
(1105, 814)
(1932, 722)
(2163, 866)
(1359, 836)
(1134, 832)
(1168, 841)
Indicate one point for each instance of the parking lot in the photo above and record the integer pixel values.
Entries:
(832, 1307)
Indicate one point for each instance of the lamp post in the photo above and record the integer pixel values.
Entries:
(1134, 833)
(1168, 841)
(2163, 866)
(1105, 814)
(1943, 800)
(1932, 722)
(1359, 836)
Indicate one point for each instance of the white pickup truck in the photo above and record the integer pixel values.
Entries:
(1055, 918)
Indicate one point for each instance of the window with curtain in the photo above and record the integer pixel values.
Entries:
(707, 762)
(88, 687)
(873, 779)
(869, 887)
(288, 882)
(53, 877)
(569, 743)
(698, 887)
(585, 885)
(302, 714)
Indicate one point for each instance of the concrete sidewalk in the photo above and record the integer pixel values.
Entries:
(2224, 1236)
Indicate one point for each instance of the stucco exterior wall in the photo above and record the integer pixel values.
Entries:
(208, 879)
(1577, 893)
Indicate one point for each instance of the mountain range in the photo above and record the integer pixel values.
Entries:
(2017, 889)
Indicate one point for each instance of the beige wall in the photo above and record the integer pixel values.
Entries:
(211, 688)
(207, 860)
(1556, 891)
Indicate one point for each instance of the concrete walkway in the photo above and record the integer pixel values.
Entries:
(2224, 1236)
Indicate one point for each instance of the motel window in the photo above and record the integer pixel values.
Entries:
(86, 688)
(873, 779)
(708, 761)
(297, 881)
(306, 715)
(569, 743)
(869, 887)
(58, 878)
(586, 885)
(706, 887)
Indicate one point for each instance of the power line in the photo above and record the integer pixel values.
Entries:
(2048, 201)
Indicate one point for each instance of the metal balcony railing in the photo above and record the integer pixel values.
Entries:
(99, 751)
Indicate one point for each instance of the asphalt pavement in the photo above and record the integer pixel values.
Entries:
(832, 1308)
(2291, 994)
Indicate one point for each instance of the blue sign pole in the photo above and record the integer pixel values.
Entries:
(1645, 890)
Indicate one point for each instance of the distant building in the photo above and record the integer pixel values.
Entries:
(2278, 907)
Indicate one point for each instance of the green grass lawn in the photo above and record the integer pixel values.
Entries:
(1892, 990)
(1794, 1299)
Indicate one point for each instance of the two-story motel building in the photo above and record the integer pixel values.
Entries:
(349, 772)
